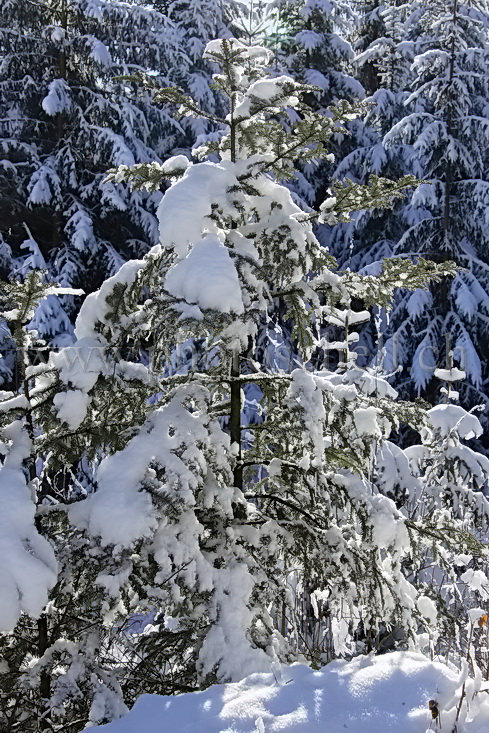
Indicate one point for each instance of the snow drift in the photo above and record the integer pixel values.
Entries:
(383, 694)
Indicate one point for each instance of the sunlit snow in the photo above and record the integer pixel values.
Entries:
(383, 694)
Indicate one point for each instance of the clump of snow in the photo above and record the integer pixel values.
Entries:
(445, 418)
(185, 209)
(43, 182)
(79, 366)
(207, 277)
(232, 616)
(176, 163)
(99, 52)
(268, 88)
(384, 694)
(366, 421)
(267, 91)
(28, 567)
(58, 98)
(119, 511)
(475, 614)
(95, 305)
(427, 608)
(477, 581)
(419, 301)
(450, 375)
(9, 401)
(72, 407)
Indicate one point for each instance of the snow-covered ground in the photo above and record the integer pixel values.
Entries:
(383, 694)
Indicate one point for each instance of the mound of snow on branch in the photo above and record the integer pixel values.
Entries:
(207, 277)
(384, 694)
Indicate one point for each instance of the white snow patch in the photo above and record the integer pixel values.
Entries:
(445, 418)
(450, 375)
(100, 53)
(427, 608)
(28, 567)
(175, 164)
(384, 694)
(185, 209)
(95, 306)
(366, 421)
(475, 614)
(478, 581)
(58, 98)
(71, 407)
(207, 277)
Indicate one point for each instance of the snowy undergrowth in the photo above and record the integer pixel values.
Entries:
(379, 694)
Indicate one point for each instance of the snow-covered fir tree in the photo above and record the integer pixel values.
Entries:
(199, 21)
(368, 29)
(447, 126)
(382, 62)
(441, 137)
(453, 477)
(195, 512)
(57, 668)
(65, 119)
(375, 37)
(310, 43)
(313, 44)
(189, 516)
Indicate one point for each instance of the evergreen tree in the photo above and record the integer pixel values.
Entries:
(65, 119)
(199, 21)
(439, 137)
(206, 521)
(383, 60)
(383, 63)
(189, 515)
(311, 45)
(376, 39)
(452, 477)
(57, 669)
(368, 29)
(447, 127)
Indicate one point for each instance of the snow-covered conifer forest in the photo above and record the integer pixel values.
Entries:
(244, 366)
